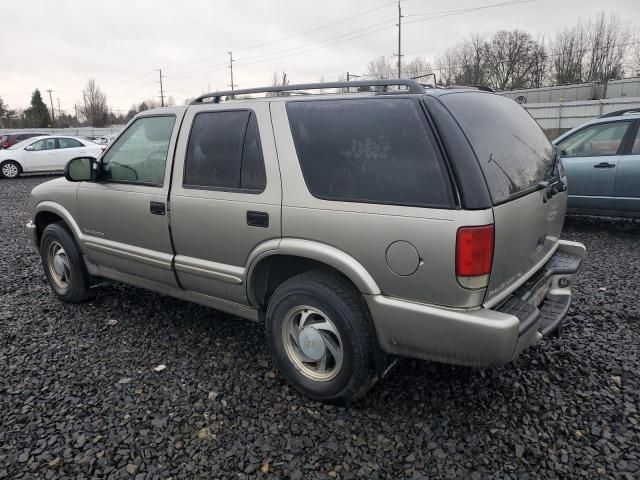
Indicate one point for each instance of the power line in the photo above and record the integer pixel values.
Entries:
(288, 37)
(470, 9)
(392, 25)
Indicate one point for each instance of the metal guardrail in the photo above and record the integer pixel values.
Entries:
(74, 132)
(566, 115)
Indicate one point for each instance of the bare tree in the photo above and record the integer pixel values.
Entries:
(609, 42)
(278, 81)
(539, 64)
(635, 56)
(94, 107)
(510, 59)
(448, 66)
(381, 69)
(592, 51)
(473, 56)
(568, 50)
(417, 67)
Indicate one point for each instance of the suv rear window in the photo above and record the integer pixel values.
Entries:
(512, 149)
(224, 152)
(370, 151)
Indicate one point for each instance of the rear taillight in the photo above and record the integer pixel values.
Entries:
(474, 255)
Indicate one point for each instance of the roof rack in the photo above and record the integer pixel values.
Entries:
(412, 87)
(617, 113)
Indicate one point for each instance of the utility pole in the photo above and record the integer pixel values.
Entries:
(161, 90)
(75, 107)
(231, 67)
(53, 113)
(59, 109)
(399, 54)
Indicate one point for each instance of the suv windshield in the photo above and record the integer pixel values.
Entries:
(513, 151)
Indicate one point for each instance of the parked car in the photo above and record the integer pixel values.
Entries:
(11, 139)
(356, 227)
(105, 140)
(602, 162)
(44, 154)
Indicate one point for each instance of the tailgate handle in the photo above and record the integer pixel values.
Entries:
(604, 165)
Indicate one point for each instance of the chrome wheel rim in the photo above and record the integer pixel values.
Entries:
(312, 343)
(59, 266)
(10, 170)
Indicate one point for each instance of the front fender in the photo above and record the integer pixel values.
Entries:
(53, 207)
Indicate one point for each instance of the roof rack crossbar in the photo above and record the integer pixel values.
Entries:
(412, 87)
(620, 112)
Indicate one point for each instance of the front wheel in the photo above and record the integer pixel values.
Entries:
(63, 264)
(10, 169)
(321, 337)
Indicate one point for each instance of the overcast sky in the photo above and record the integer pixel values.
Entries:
(121, 43)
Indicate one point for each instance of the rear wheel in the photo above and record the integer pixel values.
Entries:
(321, 337)
(10, 169)
(63, 264)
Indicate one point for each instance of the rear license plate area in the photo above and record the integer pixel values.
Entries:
(538, 293)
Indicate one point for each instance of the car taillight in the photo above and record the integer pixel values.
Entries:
(474, 255)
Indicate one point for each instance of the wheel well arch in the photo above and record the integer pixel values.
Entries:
(269, 268)
(12, 160)
(274, 270)
(45, 218)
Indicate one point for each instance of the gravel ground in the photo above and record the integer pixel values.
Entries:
(79, 396)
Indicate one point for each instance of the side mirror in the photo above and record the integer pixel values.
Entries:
(28, 148)
(81, 169)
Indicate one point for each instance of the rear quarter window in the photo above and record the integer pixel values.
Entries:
(369, 151)
(513, 151)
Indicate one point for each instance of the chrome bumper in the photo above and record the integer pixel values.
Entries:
(482, 336)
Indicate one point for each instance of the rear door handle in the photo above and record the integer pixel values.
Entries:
(257, 219)
(604, 165)
(157, 208)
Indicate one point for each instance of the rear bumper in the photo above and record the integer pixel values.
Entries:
(482, 336)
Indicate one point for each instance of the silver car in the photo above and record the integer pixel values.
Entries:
(356, 227)
(602, 161)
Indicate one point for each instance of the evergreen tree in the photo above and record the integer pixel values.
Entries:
(37, 115)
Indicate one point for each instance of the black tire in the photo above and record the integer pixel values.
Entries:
(78, 282)
(8, 163)
(343, 304)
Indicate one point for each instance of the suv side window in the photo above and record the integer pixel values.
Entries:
(69, 143)
(369, 150)
(224, 152)
(594, 141)
(139, 155)
(635, 148)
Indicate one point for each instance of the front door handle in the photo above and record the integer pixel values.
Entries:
(604, 165)
(157, 208)
(257, 219)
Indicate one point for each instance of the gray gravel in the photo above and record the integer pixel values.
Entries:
(79, 396)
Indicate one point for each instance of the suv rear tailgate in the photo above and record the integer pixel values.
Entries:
(528, 194)
(527, 231)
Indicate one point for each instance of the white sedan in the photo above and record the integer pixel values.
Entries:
(45, 154)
